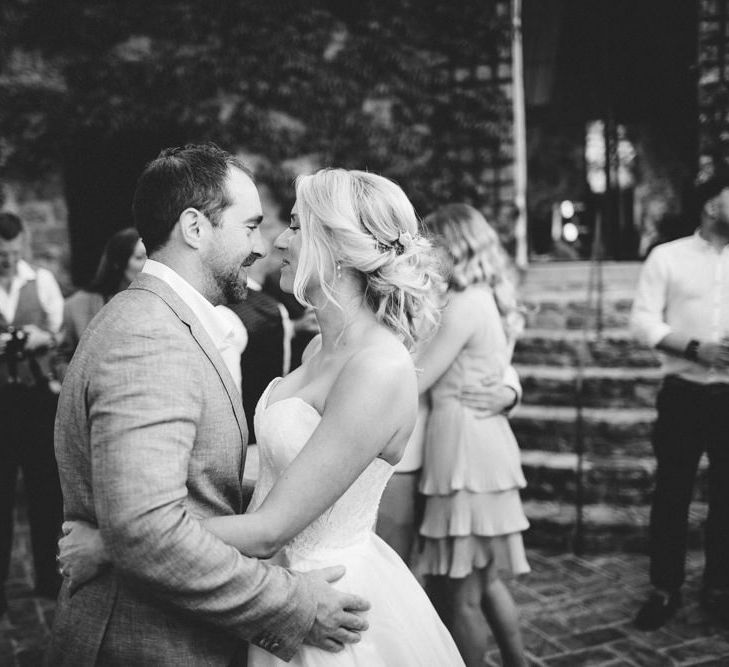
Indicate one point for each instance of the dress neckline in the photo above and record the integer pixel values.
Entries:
(267, 406)
(267, 396)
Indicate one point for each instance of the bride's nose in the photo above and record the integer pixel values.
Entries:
(282, 240)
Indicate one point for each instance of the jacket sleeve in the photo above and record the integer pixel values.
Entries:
(143, 404)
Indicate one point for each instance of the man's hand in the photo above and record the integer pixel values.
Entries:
(339, 619)
(714, 354)
(81, 553)
(37, 338)
(491, 397)
(723, 355)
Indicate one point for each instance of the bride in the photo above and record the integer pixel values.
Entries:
(330, 432)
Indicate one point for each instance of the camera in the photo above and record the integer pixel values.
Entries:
(15, 340)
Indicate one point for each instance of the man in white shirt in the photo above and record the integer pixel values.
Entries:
(31, 311)
(682, 309)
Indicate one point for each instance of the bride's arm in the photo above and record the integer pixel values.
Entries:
(372, 402)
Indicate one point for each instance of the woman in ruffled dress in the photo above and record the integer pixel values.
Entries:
(472, 473)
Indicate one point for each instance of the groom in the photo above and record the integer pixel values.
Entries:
(151, 438)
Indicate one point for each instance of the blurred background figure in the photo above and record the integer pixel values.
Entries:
(472, 474)
(302, 319)
(31, 311)
(267, 353)
(121, 260)
(401, 504)
(681, 308)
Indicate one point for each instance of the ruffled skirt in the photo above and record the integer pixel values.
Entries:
(465, 530)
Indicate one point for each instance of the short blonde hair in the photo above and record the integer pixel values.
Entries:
(366, 223)
(474, 254)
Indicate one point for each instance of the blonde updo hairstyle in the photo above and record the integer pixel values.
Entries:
(365, 223)
(473, 254)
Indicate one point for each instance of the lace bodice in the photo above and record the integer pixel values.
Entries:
(282, 429)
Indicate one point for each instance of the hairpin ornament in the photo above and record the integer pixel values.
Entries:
(399, 245)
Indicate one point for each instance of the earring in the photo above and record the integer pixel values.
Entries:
(339, 271)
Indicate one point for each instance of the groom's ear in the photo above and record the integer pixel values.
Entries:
(193, 226)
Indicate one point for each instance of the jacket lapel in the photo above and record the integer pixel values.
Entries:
(159, 287)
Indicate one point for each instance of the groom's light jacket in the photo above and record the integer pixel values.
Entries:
(150, 438)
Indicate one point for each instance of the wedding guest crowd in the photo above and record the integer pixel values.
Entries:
(452, 509)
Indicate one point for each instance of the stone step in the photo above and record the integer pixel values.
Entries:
(555, 347)
(571, 275)
(601, 387)
(605, 527)
(605, 431)
(572, 309)
(614, 480)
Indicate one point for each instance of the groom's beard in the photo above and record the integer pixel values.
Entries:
(233, 282)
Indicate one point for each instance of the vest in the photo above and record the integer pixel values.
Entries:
(36, 369)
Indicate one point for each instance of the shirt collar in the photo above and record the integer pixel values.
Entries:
(705, 244)
(217, 326)
(253, 284)
(24, 272)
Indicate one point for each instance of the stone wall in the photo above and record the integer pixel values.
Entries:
(463, 106)
(42, 206)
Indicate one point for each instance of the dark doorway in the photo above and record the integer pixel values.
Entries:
(100, 173)
(632, 65)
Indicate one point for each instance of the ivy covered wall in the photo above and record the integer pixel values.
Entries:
(418, 90)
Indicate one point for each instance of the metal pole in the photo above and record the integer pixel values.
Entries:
(520, 150)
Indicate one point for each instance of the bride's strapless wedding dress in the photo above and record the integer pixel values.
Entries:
(405, 630)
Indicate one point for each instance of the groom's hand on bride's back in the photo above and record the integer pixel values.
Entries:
(339, 616)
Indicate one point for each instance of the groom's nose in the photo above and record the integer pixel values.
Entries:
(258, 246)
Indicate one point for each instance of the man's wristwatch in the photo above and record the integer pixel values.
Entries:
(692, 350)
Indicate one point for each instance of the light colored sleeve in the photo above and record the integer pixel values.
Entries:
(647, 317)
(51, 299)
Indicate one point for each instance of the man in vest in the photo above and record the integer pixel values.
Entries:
(31, 313)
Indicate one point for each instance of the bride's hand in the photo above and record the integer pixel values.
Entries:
(81, 553)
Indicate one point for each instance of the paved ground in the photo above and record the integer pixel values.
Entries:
(576, 611)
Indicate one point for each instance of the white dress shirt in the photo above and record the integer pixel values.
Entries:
(221, 324)
(49, 295)
(684, 288)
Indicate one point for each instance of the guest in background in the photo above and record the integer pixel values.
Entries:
(681, 308)
(398, 518)
(303, 324)
(121, 260)
(31, 310)
(472, 473)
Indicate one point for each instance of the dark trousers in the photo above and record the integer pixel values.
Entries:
(692, 419)
(26, 443)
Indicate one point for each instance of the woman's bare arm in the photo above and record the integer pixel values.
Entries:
(372, 402)
(455, 328)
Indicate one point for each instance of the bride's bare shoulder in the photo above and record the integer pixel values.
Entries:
(380, 361)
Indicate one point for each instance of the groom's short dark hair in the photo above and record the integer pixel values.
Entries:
(191, 176)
